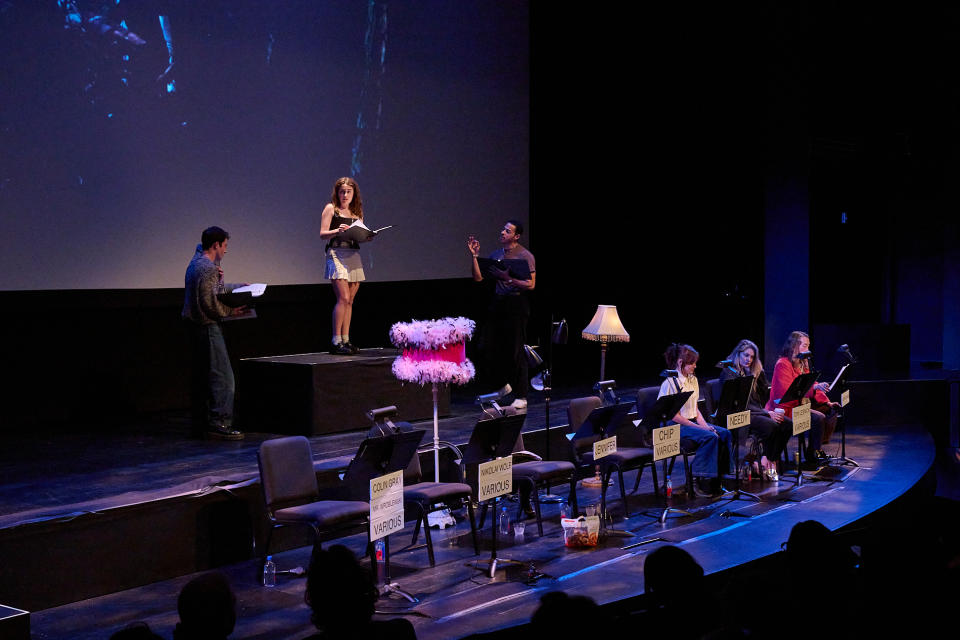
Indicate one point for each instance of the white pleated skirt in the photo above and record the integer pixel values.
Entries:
(344, 264)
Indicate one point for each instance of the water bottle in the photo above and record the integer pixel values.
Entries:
(380, 550)
(669, 488)
(504, 521)
(269, 573)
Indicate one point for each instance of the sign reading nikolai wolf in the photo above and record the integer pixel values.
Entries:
(495, 478)
(386, 504)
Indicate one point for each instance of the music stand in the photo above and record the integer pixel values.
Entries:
(659, 415)
(604, 422)
(841, 384)
(734, 397)
(797, 390)
(375, 457)
(492, 439)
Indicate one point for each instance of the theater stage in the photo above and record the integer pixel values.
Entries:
(98, 528)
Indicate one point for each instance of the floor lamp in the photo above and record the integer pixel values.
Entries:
(605, 327)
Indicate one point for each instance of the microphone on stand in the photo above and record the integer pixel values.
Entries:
(494, 396)
(806, 355)
(844, 350)
(669, 373)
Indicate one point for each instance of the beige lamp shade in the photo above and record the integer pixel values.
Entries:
(606, 326)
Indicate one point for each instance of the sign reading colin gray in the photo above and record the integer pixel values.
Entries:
(666, 442)
(738, 419)
(604, 447)
(801, 419)
(386, 505)
(495, 478)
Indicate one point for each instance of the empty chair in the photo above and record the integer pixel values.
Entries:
(425, 496)
(534, 475)
(291, 494)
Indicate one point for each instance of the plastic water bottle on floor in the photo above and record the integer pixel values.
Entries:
(504, 521)
(669, 488)
(269, 573)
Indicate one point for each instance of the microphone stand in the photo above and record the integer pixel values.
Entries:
(843, 460)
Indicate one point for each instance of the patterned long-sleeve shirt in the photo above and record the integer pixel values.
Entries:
(201, 286)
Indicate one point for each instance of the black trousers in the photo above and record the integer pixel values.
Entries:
(773, 435)
(502, 344)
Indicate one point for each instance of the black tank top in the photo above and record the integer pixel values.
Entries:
(335, 242)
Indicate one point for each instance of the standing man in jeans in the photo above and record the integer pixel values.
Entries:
(212, 380)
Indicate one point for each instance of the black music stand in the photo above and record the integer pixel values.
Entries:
(735, 397)
(375, 457)
(795, 392)
(604, 422)
(492, 439)
(662, 411)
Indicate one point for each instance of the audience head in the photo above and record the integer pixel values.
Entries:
(813, 544)
(340, 591)
(563, 614)
(135, 631)
(671, 573)
(746, 358)
(207, 608)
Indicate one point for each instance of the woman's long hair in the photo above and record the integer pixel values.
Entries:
(756, 367)
(356, 205)
(792, 347)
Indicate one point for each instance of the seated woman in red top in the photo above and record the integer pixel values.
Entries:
(823, 414)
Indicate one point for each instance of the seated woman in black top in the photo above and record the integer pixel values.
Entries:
(772, 428)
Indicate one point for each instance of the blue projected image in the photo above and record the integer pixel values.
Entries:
(242, 113)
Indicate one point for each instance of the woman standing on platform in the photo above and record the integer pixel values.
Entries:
(823, 414)
(770, 427)
(344, 267)
(712, 443)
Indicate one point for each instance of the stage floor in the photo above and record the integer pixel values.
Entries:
(457, 598)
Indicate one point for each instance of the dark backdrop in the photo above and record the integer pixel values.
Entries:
(646, 191)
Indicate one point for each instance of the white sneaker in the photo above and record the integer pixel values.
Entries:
(520, 404)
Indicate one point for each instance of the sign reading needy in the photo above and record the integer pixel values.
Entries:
(738, 419)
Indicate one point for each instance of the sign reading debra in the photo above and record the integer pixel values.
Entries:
(666, 442)
(386, 504)
(495, 478)
(801, 419)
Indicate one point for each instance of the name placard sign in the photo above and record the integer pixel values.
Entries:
(386, 504)
(738, 419)
(495, 478)
(666, 442)
(604, 447)
(801, 419)
(845, 398)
